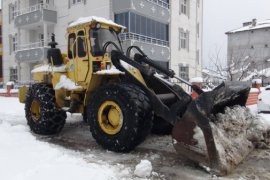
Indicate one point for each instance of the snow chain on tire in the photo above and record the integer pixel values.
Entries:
(137, 116)
(51, 119)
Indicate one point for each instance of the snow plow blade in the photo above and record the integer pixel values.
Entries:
(202, 138)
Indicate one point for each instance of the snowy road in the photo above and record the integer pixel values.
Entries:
(74, 154)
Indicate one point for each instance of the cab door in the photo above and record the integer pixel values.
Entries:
(81, 59)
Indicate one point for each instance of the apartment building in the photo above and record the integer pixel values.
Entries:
(249, 47)
(1, 49)
(168, 31)
(186, 26)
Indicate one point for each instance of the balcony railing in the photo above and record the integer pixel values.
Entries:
(160, 3)
(36, 7)
(40, 44)
(142, 38)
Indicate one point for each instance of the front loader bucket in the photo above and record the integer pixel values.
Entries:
(201, 137)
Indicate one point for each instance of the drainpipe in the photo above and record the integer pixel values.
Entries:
(18, 63)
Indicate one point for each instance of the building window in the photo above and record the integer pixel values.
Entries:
(252, 47)
(184, 71)
(12, 11)
(72, 46)
(266, 45)
(13, 76)
(74, 2)
(198, 3)
(184, 7)
(81, 44)
(183, 39)
(143, 26)
(14, 42)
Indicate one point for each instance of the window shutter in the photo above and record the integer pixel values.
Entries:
(187, 40)
(180, 6)
(84, 1)
(10, 44)
(9, 13)
(179, 39)
(188, 8)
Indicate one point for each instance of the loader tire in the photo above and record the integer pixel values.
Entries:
(161, 127)
(41, 112)
(84, 115)
(134, 113)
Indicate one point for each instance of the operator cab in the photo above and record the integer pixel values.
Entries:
(91, 40)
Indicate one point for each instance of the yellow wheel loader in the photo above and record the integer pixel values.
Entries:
(122, 97)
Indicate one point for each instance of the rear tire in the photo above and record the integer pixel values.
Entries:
(50, 120)
(136, 116)
(161, 127)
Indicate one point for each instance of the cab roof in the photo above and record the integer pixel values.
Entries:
(90, 19)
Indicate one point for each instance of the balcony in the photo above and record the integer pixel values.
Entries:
(155, 48)
(155, 9)
(34, 16)
(160, 3)
(30, 53)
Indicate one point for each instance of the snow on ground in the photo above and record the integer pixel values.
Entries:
(143, 169)
(74, 154)
(23, 157)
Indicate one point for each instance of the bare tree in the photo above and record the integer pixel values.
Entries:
(235, 67)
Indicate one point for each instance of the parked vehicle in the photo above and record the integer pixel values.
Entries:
(264, 100)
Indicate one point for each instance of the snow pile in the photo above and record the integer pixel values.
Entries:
(10, 83)
(83, 20)
(49, 68)
(3, 91)
(66, 83)
(143, 169)
(198, 135)
(197, 80)
(264, 72)
(236, 133)
(254, 90)
(14, 90)
(112, 71)
(257, 81)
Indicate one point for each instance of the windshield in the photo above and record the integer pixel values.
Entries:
(98, 37)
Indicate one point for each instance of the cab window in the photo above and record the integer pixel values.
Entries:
(81, 41)
(72, 46)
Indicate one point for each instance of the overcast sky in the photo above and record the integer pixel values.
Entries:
(221, 16)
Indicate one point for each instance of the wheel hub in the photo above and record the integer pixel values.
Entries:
(110, 117)
(35, 110)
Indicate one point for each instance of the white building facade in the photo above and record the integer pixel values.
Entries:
(169, 31)
(249, 46)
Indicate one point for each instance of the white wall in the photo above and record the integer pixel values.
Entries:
(195, 43)
(66, 15)
(8, 29)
